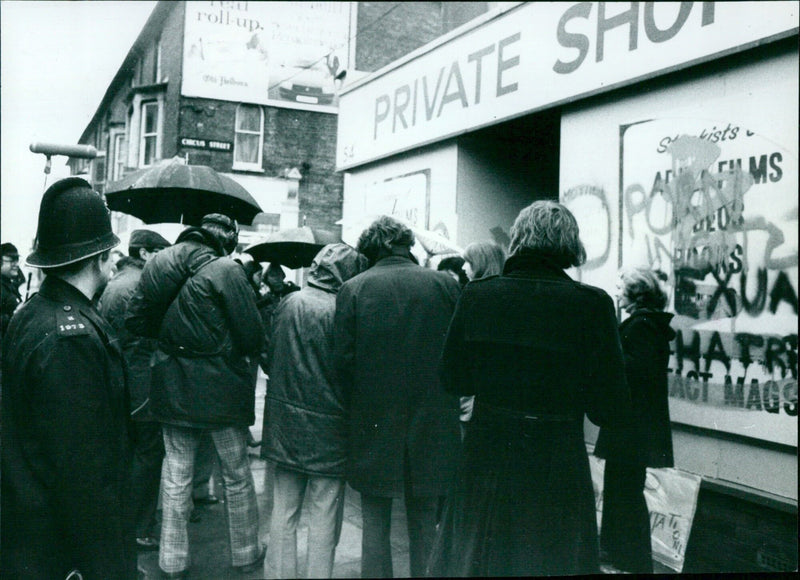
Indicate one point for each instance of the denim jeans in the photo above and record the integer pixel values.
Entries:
(324, 498)
(180, 444)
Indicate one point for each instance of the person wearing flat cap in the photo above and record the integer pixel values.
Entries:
(197, 302)
(148, 446)
(66, 451)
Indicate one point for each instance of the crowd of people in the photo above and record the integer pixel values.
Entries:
(461, 391)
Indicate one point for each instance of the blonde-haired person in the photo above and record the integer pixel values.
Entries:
(647, 442)
(539, 351)
(483, 259)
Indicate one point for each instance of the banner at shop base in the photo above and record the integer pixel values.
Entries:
(671, 496)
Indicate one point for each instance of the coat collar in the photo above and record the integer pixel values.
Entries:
(58, 290)
(530, 262)
(394, 261)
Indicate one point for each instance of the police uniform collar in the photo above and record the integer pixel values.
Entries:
(59, 290)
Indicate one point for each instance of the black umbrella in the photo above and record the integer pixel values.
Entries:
(172, 191)
(293, 248)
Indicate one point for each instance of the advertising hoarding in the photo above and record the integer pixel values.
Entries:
(713, 204)
(267, 53)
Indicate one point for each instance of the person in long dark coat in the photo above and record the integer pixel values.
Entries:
(645, 334)
(539, 351)
(148, 446)
(66, 447)
(389, 330)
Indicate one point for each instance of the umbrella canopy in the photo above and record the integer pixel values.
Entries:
(293, 248)
(173, 191)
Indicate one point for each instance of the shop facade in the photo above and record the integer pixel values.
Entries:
(671, 131)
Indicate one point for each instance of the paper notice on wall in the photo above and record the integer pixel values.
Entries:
(671, 496)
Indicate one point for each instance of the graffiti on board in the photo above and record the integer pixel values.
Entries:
(715, 206)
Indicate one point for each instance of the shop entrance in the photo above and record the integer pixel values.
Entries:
(502, 169)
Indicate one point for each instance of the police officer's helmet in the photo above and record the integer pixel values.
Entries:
(74, 223)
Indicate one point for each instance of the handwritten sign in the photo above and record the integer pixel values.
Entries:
(671, 496)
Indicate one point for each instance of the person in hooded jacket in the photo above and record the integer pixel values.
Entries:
(201, 307)
(647, 441)
(305, 425)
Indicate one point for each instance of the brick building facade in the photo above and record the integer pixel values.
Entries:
(144, 117)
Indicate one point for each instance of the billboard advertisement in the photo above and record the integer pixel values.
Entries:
(285, 54)
(713, 203)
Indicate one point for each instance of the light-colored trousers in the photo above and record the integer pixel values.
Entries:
(180, 446)
(325, 505)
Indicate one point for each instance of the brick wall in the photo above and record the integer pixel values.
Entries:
(730, 534)
(390, 30)
(292, 138)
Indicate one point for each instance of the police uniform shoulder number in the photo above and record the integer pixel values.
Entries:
(71, 323)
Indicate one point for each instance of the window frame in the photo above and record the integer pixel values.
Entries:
(118, 157)
(143, 136)
(243, 165)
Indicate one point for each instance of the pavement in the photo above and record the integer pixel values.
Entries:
(208, 539)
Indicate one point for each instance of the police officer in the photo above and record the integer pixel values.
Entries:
(65, 451)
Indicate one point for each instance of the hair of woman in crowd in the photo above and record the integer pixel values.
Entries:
(548, 228)
(484, 259)
(642, 288)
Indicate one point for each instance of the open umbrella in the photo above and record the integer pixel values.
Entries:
(293, 248)
(173, 191)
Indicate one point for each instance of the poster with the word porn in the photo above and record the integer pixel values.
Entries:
(712, 203)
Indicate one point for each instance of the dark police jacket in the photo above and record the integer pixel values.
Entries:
(65, 451)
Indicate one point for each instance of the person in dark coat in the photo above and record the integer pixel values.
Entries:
(198, 303)
(66, 448)
(277, 287)
(306, 427)
(10, 280)
(148, 446)
(539, 351)
(645, 334)
(403, 428)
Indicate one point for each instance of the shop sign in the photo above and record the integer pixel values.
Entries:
(539, 55)
(267, 53)
(195, 143)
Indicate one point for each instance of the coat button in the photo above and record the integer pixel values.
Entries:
(67, 308)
